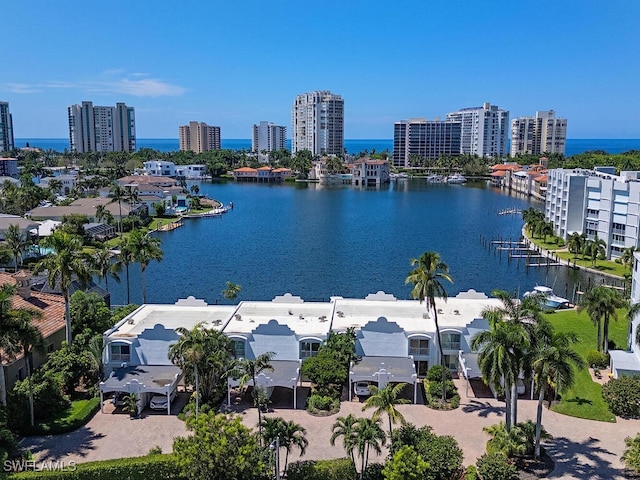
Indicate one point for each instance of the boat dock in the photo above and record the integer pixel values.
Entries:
(510, 211)
(170, 226)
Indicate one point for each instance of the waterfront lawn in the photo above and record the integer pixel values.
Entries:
(160, 221)
(551, 243)
(585, 400)
(604, 266)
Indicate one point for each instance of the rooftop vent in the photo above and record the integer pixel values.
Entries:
(290, 312)
(340, 313)
(301, 317)
(456, 312)
(238, 317)
(323, 318)
(130, 321)
(217, 321)
(425, 315)
(440, 311)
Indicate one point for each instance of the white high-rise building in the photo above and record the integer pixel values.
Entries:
(543, 133)
(318, 123)
(101, 129)
(268, 137)
(595, 202)
(6, 128)
(199, 137)
(484, 130)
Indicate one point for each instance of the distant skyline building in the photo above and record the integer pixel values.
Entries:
(543, 133)
(418, 138)
(199, 137)
(101, 129)
(485, 130)
(6, 128)
(269, 137)
(317, 119)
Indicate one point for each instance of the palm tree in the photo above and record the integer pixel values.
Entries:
(594, 249)
(118, 195)
(64, 263)
(232, 291)
(29, 338)
(144, 248)
(345, 427)
(126, 258)
(426, 278)
(17, 242)
(248, 370)
(553, 364)
(500, 350)
(576, 242)
(104, 266)
(187, 354)
(292, 435)
(601, 304)
(9, 344)
(384, 400)
(627, 257)
(369, 434)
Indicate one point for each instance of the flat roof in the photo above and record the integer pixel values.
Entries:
(172, 316)
(304, 318)
(152, 377)
(401, 369)
(622, 360)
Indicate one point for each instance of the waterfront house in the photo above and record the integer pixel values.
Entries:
(87, 207)
(67, 183)
(160, 168)
(24, 224)
(191, 172)
(151, 185)
(264, 174)
(365, 171)
(50, 323)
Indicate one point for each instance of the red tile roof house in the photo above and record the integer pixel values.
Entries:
(51, 324)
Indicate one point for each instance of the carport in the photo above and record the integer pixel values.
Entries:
(384, 370)
(286, 373)
(142, 380)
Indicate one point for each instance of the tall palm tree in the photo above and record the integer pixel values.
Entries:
(231, 291)
(575, 243)
(500, 350)
(117, 195)
(426, 278)
(29, 338)
(17, 242)
(594, 249)
(9, 344)
(126, 258)
(384, 400)
(64, 263)
(345, 427)
(553, 362)
(104, 266)
(248, 370)
(601, 304)
(144, 249)
(369, 434)
(288, 433)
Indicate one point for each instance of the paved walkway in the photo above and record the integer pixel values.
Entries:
(582, 449)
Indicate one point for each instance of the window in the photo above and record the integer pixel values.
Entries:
(239, 348)
(120, 353)
(422, 367)
(419, 347)
(451, 361)
(450, 341)
(309, 348)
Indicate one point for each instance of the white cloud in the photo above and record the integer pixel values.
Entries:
(135, 84)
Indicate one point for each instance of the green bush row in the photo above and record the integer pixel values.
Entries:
(337, 469)
(71, 423)
(156, 467)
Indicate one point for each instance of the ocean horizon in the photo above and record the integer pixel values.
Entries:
(353, 146)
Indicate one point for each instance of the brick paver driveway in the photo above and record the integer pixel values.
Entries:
(582, 449)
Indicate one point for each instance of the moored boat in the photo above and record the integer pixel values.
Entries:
(456, 178)
(550, 299)
(435, 178)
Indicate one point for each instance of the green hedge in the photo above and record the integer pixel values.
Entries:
(337, 469)
(80, 412)
(155, 467)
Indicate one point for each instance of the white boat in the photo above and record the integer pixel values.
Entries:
(551, 300)
(435, 179)
(456, 178)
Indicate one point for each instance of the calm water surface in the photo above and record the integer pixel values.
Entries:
(316, 242)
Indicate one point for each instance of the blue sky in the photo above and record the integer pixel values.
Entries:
(234, 63)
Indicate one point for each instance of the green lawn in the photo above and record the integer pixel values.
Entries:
(79, 413)
(604, 266)
(585, 400)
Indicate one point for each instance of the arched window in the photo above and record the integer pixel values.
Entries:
(451, 340)
(120, 352)
(309, 347)
(239, 345)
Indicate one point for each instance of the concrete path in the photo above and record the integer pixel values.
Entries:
(582, 449)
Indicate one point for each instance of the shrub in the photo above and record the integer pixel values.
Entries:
(496, 466)
(137, 468)
(406, 464)
(597, 359)
(325, 369)
(336, 469)
(520, 440)
(435, 374)
(435, 389)
(320, 404)
(80, 412)
(631, 455)
(373, 472)
(623, 396)
(471, 473)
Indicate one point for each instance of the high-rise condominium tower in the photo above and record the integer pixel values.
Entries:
(318, 123)
(268, 136)
(101, 129)
(418, 139)
(6, 128)
(484, 130)
(199, 137)
(543, 133)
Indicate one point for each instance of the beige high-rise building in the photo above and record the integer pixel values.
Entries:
(318, 123)
(199, 137)
(543, 133)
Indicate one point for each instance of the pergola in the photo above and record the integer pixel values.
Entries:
(286, 373)
(384, 370)
(141, 379)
